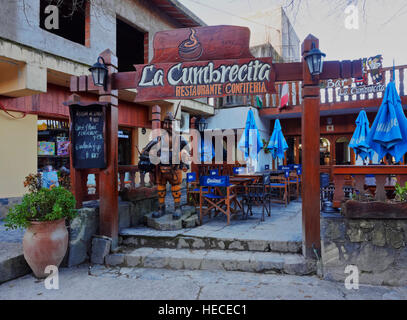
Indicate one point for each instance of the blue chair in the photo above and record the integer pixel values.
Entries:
(216, 199)
(193, 189)
(214, 172)
(238, 170)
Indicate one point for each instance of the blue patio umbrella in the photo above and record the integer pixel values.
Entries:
(358, 142)
(388, 134)
(277, 144)
(206, 150)
(250, 142)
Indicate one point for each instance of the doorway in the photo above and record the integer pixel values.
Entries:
(342, 151)
(125, 143)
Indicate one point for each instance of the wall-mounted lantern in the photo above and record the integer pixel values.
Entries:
(315, 61)
(99, 73)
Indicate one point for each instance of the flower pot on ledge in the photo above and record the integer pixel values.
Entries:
(374, 210)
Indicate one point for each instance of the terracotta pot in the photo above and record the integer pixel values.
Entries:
(44, 244)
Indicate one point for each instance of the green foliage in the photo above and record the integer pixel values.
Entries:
(401, 193)
(265, 144)
(42, 205)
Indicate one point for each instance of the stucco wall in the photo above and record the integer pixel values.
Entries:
(18, 156)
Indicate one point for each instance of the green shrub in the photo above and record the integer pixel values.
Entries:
(401, 192)
(42, 205)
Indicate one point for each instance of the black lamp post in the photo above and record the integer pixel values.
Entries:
(202, 125)
(99, 73)
(315, 61)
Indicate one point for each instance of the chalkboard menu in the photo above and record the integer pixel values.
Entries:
(88, 136)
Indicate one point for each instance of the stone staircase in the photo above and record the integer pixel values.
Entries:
(141, 248)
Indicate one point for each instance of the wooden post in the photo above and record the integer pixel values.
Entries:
(194, 166)
(156, 119)
(310, 157)
(77, 176)
(108, 178)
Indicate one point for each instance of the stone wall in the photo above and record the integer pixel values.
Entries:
(86, 225)
(377, 247)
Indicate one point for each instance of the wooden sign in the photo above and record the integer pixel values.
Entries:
(203, 62)
(201, 79)
(88, 129)
(202, 43)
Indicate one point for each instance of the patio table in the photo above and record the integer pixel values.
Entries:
(241, 182)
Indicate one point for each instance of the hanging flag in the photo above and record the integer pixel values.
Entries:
(259, 102)
(285, 96)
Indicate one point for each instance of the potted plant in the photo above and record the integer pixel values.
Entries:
(363, 206)
(43, 213)
(401, 193)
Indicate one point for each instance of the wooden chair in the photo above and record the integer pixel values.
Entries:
(293, 185)
(257, 193)
(193, 189)
(219, 198)
(279, 185)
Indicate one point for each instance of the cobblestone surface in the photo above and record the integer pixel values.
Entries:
(100, 282)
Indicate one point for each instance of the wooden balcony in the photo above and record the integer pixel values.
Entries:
(331, 100)
(348, 179)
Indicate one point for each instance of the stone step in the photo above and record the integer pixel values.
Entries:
(12, 262)
(246, 261)
(138, 238)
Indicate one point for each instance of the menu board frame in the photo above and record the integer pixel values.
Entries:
(101, 161)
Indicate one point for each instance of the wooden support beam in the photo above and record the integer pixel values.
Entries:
(108, 178)
(310, 157)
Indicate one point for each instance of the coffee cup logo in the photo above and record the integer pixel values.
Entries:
(190, 49)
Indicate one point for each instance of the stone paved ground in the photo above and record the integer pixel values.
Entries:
(127, 283)
(283, 225)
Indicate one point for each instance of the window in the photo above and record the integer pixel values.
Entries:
(130, 46)
(72, 19)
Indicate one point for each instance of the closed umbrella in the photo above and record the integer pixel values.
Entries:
(250, 142)
(206, 150)
(277, 144)
(358, 142)
(388, 134)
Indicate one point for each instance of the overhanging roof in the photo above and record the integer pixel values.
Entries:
(178, 12)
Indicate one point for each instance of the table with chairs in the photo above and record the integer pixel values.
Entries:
(240, 192)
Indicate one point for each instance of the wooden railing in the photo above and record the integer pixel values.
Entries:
(348, 179)
(224, 169)
(129, 177)
(328, 95)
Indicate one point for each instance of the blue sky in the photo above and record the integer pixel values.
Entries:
(382, 25)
